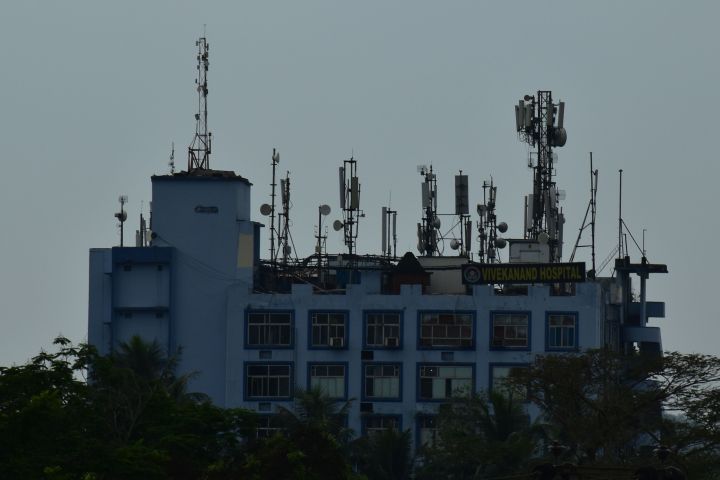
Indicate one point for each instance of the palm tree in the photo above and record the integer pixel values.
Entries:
(314, 409)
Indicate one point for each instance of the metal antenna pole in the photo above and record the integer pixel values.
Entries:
(620, 221)
(199, 149)
(275, 160)
(593, 200)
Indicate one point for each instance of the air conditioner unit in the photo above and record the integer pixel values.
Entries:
(337, 342)
(391, 342)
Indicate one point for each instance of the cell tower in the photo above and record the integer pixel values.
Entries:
(321, 237)
(462, 210)
(199, 149)
(488, 227)
(428, 230)
(285, 241)
(535, 121)
(269, 209)
(122, 216)
(350, 204)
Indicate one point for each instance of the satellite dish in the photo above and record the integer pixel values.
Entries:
(265, 209)
(454, 244)
(559, 137)
(502, 227)
(500, 242)
(122, 216)
(437, 223)
(338, 225)
(543, 238)
(325, 210)
(481, 209)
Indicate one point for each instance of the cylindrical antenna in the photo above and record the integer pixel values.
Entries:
(384, 215)
(122, 216)
(620, 242)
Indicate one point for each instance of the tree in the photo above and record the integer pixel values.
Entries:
(480, 435)
(385, 455)
(606, 405)
(314, 445)
(128, 422)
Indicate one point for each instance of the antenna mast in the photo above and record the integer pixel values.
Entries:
(488, 227)
(591, 210)
(122, 216)
(535, 124)
(349, 203)
(199, 149)
(428, 230)
(389, 232)
(321, 237)
(275, 161)
(171, 162)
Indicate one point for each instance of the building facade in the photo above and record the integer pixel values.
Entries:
(396, 336)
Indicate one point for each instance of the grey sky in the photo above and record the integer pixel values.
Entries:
(93, 93)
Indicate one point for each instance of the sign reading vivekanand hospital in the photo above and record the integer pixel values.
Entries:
(484, 273)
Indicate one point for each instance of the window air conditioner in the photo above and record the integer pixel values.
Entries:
(337, 342)
(391, 342)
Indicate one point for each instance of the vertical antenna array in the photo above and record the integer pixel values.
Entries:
(462, 210)
(321, 237)
(269, 209)
(535, 121)
(427, 231)
(171, 161)
(122, 216)
(488, 227)
(389, 232)
(199, 149)
(284, 237)
(349, 203)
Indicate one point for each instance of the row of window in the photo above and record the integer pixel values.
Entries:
(447, 330)
(427, 430)
(380, 381)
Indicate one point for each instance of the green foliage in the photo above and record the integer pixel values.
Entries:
(480, 436)
(133, 418)
(385, 455)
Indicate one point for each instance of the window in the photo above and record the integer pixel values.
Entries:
(268, 380)
(499, 375)
(373, 424)
(328, 329)
(330, 378)
(381, 381)
(267, 426)
(269, 329)
(561, 331)
(440, 382)
(427, 431)
(382, 330)
(510, 330)
(446, 330)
